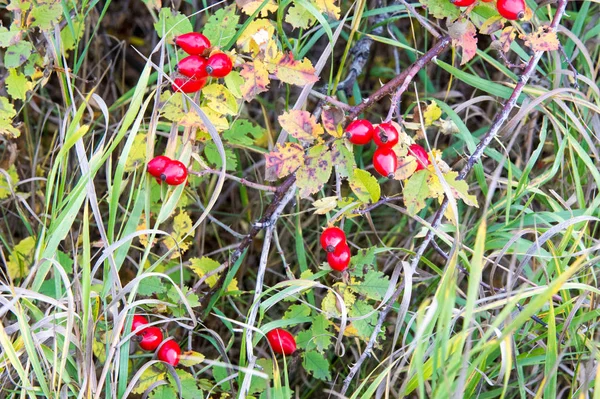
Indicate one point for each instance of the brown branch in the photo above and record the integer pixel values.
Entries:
(401, 81)
(497, 123)
(240, 180)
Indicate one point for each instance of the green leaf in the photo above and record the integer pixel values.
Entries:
(460, 189)
(317, 337)
(364, 185)
(9, 37)
(277, 392)
(171, 106)
(442, 9)
(213, 157)
(137, 154)
(221, 26)
(300, 310)
(416, 192)
(366, 326)
(70, 37)
(189, 388)
(374, 286)
(363, 259)
(172, 23)
(234, 82)
(17, 54)
(299, 17)
(315, 172)
(220, 373)
(316, 364)
(220, 99)
(259, 384)
(243, 133)
(151, 285)
(16, 85)
(44, 16)
(343, 159)
(163, 392)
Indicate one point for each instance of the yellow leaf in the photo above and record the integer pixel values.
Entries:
(137, 154)
(301, 125)
(543, 39)
(7, 183)
(21, 258)
(256, 36)
(220, 99)
(332, 118)
(203, 266)
(299, 17)
(191, 358)
(256, 79)
(284, 160)
(288, 70)
(149, 377)
(432, 113)
(325, 205)
(182, 225)
(331, 305)
(248, 7)
(143, 237)
(506, 38)
(192, 119)
(328, 8)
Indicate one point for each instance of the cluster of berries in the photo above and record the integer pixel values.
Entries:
(333, 241)
(509, 9)
(385, 136)
(171, 171)
(151, 338)
(196, 68)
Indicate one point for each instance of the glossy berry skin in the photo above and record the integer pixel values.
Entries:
(187, 85)
(138, 321)
(193, 43)
(281, 341)
(360, 132)
(331, 238)
(386, 135)
(340, 258)
(155, 167)
(422, 157)
(151, 338)
(385, 161)
(193, 66)
(169, 353)
(462, 3)
(219, 65)
(175, 173)
(511, 9)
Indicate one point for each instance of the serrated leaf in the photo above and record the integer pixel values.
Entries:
(152, 285)
(203, 266)
(464, 35)
(220, 99)
(432, 113)
(192, 120)
(328, 8)
(17, 85)
(243, 133)
(190, 297)
(17, 54)
(256, 36)
(221, 26)
(374, 285)
(70, 37)
(364, 327)
(290, 71)
(442, 9)
(460, 189)
(491, 25)
(182, 225)
(318, 337)
(9, 37)
(248, 7)
(543, 39)
(315, 172)
(365, 186)
(259, 384)
(343, 159)
(214, 159)
(363, 262)
(416, 192)
(44, 16)
(331, 306)
(316, 364)
(301, 125)
(149, 377)
(324, 205)
(298, 310)
(163, 392)
(21, 258)
(172, 23)
(256, 79)
(189, 387)
(299, 17)
(332, 118)
(284, 160)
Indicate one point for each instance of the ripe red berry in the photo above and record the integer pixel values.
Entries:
(169, 353)
(193, 66)
(487, 1)
(193, 43)
(151, 338)
(511, 9)
(340, 258)
(156, 167)
(174, 174)
(385, 161)
(422, 157)
(137, 321)
(219, 65)
(462, 3)
(187, 85)
(281, 341)
(360, 132)
(386, 135)
(331, 238)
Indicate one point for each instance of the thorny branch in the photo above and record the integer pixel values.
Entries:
(497, 123)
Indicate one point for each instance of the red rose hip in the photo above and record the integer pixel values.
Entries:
(193, 66)
(281, 341)
(511, 9)
(174, 174)
(155, 168)
(462, 3)
(170, 353)
(219, 65)
(340, 258)
(385, 161)
(386, 135)
(331, 238)
(360, 132)
(193, 43)
(422, 157)
(151, 338)
(187, 85)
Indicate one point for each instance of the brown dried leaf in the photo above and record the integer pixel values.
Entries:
(491, 25)
(332, 118)
(506, 38)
